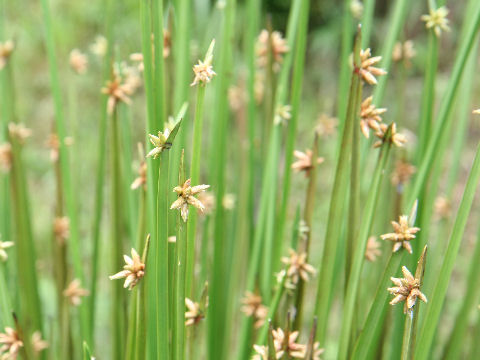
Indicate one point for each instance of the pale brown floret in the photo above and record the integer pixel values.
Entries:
(38, 344)
(11, 344)
(74, 292)
(61, 228)
(261, 352)
(407, 289)
(203, 73)
(78, 61)
(285, 344)
(207, 198)
(6, 157)
(6, 49)
(402, 173)
(443, 207)
(317, 351)
(133, 271)
(326, 125)
(159, 142)
(366, 70)
(297, 266)
(194, 314)
(304, 161)
(99, 46)
(278, 47)
(437, 20)
(373, 249)
(370, 116)
(402, 235)
(141, 180)
(394, 137)
(117, 92)
(186, 196)
(19, 132)
(252, 306)
(404, 52)
(5, 245)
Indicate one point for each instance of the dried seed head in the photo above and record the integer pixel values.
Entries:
(6, 49)
(203, 70)
(99, 46)
(117, 92)
(404, 52)
(285, 344)
(443, 207)
(402, 235)
(38, 344)
(407, 289)
(366, 70)
(74, 292)
(392, 137)
(194, 314)
(133, 271)
(141, 180)
(186, 196)
(11, 343)
(437, 20)
(19, 132)
(326, 125)
(297, 267)
(207, 198)
(373, 249)
(61, 229)
(6, 157)
(402, 173)
(370, 118)
(304, 161)
(252, 306)
(276, 43)
(5, 245)
(78, 61)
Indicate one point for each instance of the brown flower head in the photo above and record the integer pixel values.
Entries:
(366, 70)
(5, 245)
(370, 117)
(133, 271)
(252, 306)
(404, 52)
(285, 344)
(437, 20)
(19, 132)
(304, 161)
(38, 344)
(61, 228)
(194, 314)
(186, 196)
(74, 292)
(407, 289)
(11, 344)
(297, 266)
(392, 137)
(141, 180)
(99, 46)
(373, 249)
(261, 352)
(276, 43)
(203, 70)
(443, 207)
(5, 157)
(402, 173)
(207, 198)
(117, 91)
(6, 49)
(78, 61)
(402, 235)
(326, 125)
